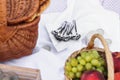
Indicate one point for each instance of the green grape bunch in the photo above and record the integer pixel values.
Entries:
(87, 60)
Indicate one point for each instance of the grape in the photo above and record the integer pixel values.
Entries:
(87, 54)
(88, 58)
(78, 74)
(71, 75)
(98, 65)
(74, 62)
(101, 68)
(68, 63)
(82, 62)
(74, 69)
(68, 67)
(92, 56)
(80, 67)
(96, 54)
(98, 69)
(79, 58)
(83, 54)
(88, 66)
(102, 61)
(95, 62)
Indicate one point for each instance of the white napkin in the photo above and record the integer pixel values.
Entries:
(48, 64)
(57, 22)
(89, 15)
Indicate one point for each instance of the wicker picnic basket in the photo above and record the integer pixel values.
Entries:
(19, 27)
(106, 52)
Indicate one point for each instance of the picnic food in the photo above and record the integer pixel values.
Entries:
(19, 27)
(88, 59)
(117, 75)
(92, 75)
(116, 59)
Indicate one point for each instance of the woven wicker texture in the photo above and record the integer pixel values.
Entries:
(105, 52)
(19, 27)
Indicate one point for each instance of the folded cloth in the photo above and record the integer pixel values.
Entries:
(56, 23)
(48, 64)
(89, 15)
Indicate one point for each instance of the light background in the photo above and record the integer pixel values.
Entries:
(60, 5)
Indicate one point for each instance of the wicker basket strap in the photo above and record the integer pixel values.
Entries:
(3, 13)
(107, 54)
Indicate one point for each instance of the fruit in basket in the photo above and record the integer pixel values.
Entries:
(117, 76)
(92, 75)
(116, 59)
(85, 61)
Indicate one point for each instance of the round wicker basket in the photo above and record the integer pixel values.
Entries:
(19, 27)
(106, 51)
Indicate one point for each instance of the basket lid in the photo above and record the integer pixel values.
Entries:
(22, 10)
(18, 12)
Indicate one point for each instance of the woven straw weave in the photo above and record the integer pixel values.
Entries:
(19, 27)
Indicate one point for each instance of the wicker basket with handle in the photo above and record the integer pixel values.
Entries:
(19, 27)
(106, 51)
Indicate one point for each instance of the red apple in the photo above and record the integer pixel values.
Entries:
(116, 59)
(92, 75)
(117, 76)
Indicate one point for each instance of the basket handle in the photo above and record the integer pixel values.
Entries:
(107, 54)
(3, 14)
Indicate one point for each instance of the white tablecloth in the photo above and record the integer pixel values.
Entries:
(51, 63)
